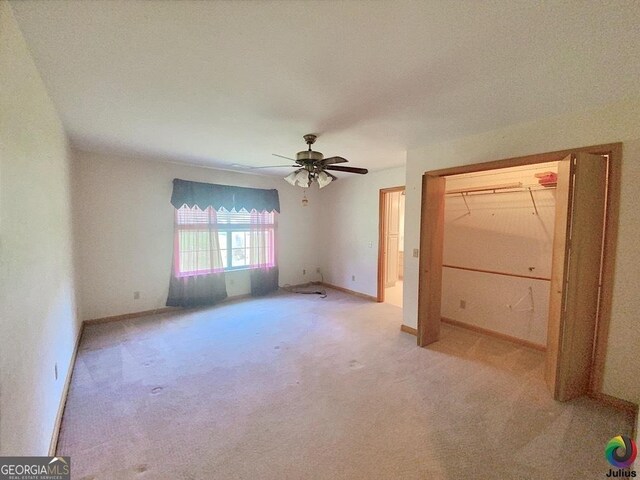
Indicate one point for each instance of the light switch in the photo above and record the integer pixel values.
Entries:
(416, 252)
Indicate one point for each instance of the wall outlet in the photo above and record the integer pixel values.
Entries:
(136, 295)
(317, 269)
(463, 304)
(55, 370)
(416, 252)
(353, 278)
(370, 244)
(304, 271)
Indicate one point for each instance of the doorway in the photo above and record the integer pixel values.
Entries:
(391, 245)
(581, 270)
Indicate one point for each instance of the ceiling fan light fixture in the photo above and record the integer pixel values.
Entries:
(313, 165)
(291, 178)
(324, 179)
(302, 177)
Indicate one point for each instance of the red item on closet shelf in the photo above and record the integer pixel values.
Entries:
(547, 179)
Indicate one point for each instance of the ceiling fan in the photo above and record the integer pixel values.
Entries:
(312, 166)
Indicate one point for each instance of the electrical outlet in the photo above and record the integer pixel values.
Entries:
(416, 252)
(136, 295)
(463, 304)
(55, 370)
(353, 278)
(317, 269)
(370, 244)
(304, 271)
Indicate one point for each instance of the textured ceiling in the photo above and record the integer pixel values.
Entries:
(224, 83)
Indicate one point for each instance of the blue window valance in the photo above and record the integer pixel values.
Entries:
(206, 195)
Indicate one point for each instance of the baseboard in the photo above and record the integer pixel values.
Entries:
(53, 444)
(127, 316)
(244, 296)
(407, 329)
(350, 292)
(618, 404)
(501, 336)
(615, 402)
(156, 311)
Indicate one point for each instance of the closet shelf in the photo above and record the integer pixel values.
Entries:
(503, 188)
(494, 189)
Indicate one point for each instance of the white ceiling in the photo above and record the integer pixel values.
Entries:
(223, 83)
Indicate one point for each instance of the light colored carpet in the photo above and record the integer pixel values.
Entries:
(393, 295)
(299, 387)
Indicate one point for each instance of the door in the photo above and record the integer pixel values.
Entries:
(392, 244)
(431, 248)
(575, 273)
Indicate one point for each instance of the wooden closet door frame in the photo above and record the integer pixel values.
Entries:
(382, 236)
(614, 153)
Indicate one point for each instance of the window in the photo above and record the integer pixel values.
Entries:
(212, 241)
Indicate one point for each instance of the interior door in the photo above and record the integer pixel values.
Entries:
(431, 248)
(393, 238)
(575, 274)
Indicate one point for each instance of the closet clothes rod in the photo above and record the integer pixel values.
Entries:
(531, 277)
(514, 188)
(506, 188)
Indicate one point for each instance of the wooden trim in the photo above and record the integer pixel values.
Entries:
(615, 402)
(53, 444)
(350, 292)
(382, 233)
(243, 296)
(408, 329)
(160, 310)
(126, 316)
(608, 267)
(430, 261)
(531, 277)
(492, 333)
(559, 259)
(606, 149)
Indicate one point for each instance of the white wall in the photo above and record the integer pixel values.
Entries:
(349, 219)
(125, 230)
(613, 123)
(38, 324)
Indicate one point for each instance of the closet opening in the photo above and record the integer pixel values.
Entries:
(497, 247)
(523, 249)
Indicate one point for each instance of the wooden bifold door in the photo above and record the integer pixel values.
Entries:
(576, 276)
(575, 273)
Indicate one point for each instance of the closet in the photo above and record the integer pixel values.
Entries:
(498, 244)
(523, 249)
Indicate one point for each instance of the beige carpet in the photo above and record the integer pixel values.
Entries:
(393, 295)
(299, 387)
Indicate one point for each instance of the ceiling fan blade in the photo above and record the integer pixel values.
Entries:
(282, 156)
(338, 168)
(332, 176)
(332, 160)
(275, 166)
